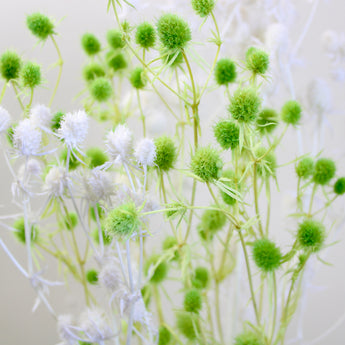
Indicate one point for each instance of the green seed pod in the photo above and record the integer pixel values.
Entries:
(203, 8)
(10, 65)
(206, 164)
(257, 60)
(106, 238)
(116, 61)
(244, 105)
(93, 71)
(171, 242)
(71, 221)
(229, 174)
(266, 166)
(164, 336)
(92, 276)
(172, 59)
(266, 255)
(31, 74)
(145, 35)
(188, 324)
(291, 112)
(90, 44)
(19, 226)
(160, 271)
(73, 162)
(192, 301)
(138, 78)
(97, 157)
(166, 153)
(201, 278)
(122, 222)
(212, 221)
(305, 168)
(173, 32)
(324, 171)
(115, 39)
(267, 121)
(227, 134)
(248, 338)
(56, 120)
(100, 212)
(311, 235)
(40, 25)
(101, 89)
(339, 186)
(225, 71)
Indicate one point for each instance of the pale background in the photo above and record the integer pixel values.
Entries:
(326, 302)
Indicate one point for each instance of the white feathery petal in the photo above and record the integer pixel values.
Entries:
(64, 323)
(145, 152)
(74, 128)
(110, 277)
(119, 143)
(56, 181)
(41, 115)
(27, 138)
(5, 119)
(319, 96)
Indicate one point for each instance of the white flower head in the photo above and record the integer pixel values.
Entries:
(5, 119)
(119, 143)
(319, 96)
(65, 332)
(56, 181)
(73, 129)
(27, 138)
(32, 168)
(41, 115)
(98, 186)
(94, 324)
(109, 277)
(145, 152)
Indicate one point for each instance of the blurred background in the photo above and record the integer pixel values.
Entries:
(323, 301)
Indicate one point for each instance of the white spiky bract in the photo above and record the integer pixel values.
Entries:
(56, 181)
(64, 324)
(119, 144)
(110, 278)
(145, 152)
(5, 119)
(27, 138)
(74, 128)
(41, 115)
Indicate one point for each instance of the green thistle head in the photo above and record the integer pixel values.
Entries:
(266, 255)
(92, 276)
(97, 157)
(101, 89)
(73, 162)
(122, 222)
(160, 271)
(173, 32)
(229, 174)
(225, 71)
(311, 235)
(201, 278)
(266, 166)
(92, 71)
(145, 35)
(10, 65)
(227, 134)
(164, 336)
(206, 164)
(40, 25)
(339, 186)
(244, 105)
(166, 153)
(90, 44)
(257, 61)
(324, 171)
(192, 301)
(71, 221)
(115, 39)
(212, 221)
(291, 112)
(19, 226)
(138, 78)
(305, 168)
(31, 74)
(56, 120)
(188, 324)
(248, 338)
(267, 121)
(116, 61)
(203, 8)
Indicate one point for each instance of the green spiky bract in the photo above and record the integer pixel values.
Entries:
(40, 25)
(145, 35)
(31, 74)
(10, 65)
(324, 171)
(166, 153)
(227, 134)
(311, 234)
(203, 8)
(266, 255)
(305, 168)
(225, 71)
(291, 112)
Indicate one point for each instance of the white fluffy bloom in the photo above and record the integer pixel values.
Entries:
(109, 277)
(31, 168)
(41, 115)
(98, 185)
(64, 325)
(27, 138)
(119, 143)
(5, 119)
(94, 324)
(145, 152)
(73, 129)
(319, 96)
(56, 181)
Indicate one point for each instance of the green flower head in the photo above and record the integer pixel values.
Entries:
(145, 35)
(138, 78)
(92, 276)
(166, 153)
(90, 44)
(164, 336)
(225, 71)
(115, 39)
(192, 301)
(201, 278)
(92, 71)
(291, 112)
(10, 65)
(188, 324)
(203, 8)
(97, 157)
(248, 338)
(339, 186)
(160, 270)
(305, 168)
(257, 61)
(324, 171)
(116, 61)
(311, 234)
(266, 255)
(31, 74)
(101, 89)
(227, 134)
(19, 226)
(40, 25)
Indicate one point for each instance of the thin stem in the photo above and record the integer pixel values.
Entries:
(17, 95)
(275, 305)
(3, 92)
(60, 63)
(142, 116)
(218, 313)
(268, 196)
(158, 304)
(189, 226)
(256, 198)
(30, 101)
(312, 198)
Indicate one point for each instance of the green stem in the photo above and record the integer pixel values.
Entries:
(158, 304)
(60, 63)
(27, 109)
(189, 226)
(142, 116)
(268, 196)
(275, 304)
(312, 199)
(3, 92)
(218, 313)
(256, 199)
(17, 95)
